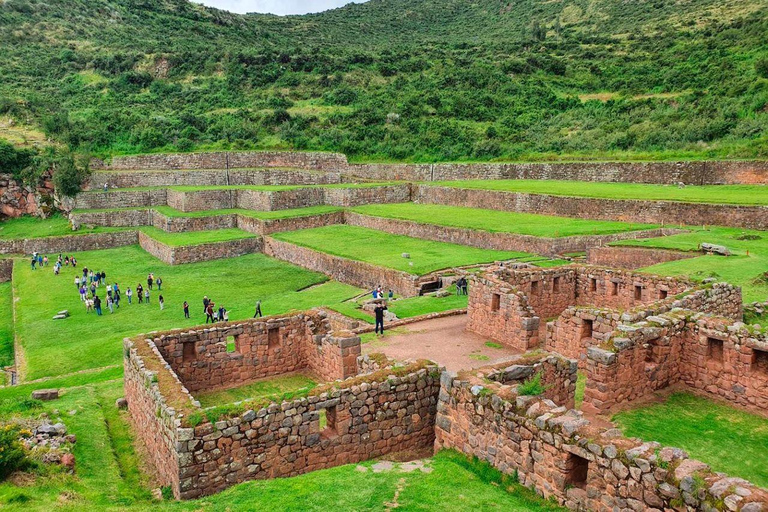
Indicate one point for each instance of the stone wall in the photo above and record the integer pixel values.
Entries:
(356, 273)
(6, 270)
(651, 212)
(201, 200)
(558, 377)
(267, 226)
(496, 241)
(180, 255)
(120, 199)
(690, 173)
(557, 452)
(633, 257)
(166, 178)
(280, 199)
(69, 243)
(225, 160)
(357, 196)
(112, 218)
(17, 199)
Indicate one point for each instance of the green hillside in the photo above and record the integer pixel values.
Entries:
(418, 80)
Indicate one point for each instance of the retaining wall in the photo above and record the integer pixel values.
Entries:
(120, 199)
(166, 178)
(633, 257)
(226, 160)
(69, 243)
(179, 255)
(649, 212)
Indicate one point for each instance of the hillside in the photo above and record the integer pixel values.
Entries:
(418, 80)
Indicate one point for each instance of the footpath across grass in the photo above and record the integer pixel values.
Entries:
(386, 250)
(746, 266)
(84, 340)
(495, 221)
(715, 194)
(730, 440)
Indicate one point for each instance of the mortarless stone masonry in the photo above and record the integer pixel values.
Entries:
(226, 160)
(179, 255)
(633, 257)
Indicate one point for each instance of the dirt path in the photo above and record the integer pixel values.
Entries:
(442, 340)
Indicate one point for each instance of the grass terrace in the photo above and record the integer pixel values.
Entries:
(269, 215)
(386, 250)
(746, 266)
(715, 194)
(285, 387)
(33, 227)
(264, 188)
(196, 237)
(84, 341)
(495, 221)
(730, 440)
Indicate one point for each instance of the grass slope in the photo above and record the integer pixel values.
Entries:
(744, 268)
(386, 250)
(717, 194)
(86, 341)
(196, 237)
(728, 439)
(33, 227)
(496, 221)
(6, 324)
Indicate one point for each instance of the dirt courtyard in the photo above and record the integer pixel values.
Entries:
(442, 340)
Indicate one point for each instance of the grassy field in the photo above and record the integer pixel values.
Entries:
(744, 268)
(86, 341)
(32, 227)
(196, 237)
(730, 440)
(717, 194)
(280, 385)
(496, 221)
(6, 324)
(386, 250)
(109, 475)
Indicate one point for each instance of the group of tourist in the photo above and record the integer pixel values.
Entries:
(378, 293)
(461, 286)
(39, 260)
(212, 313)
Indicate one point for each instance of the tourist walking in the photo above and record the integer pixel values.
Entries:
(83, 293)
(140, 293)
(110, 304)
(206, 301)
(220, 314)
(77, 282)
(258, 309)
(149, 281)
(159, 283)
(97, 304)
(379, 314)
(186, 309)
(209, 313)
(129, 294)
(161, 300)
(146, 296)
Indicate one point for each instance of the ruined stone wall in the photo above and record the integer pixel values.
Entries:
(633, 257)
(69, 243)
(620, 289)
(651, 212)
(501, 313)
(17, 199)
(690, 173)
(356, 273)
(557, 452)
(567, 336)
(558, 377)
(120, 199)
(179, 255)
(547, 291)
(225, 160)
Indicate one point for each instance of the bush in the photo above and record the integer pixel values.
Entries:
(13, 456)
(13, 160)
(69, 174)
(532, 387)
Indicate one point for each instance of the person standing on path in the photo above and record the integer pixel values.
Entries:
(258, 309)
(159, 283)
(146, 296)
(97, 304)
(149, 281)
(209, 313)
(77, 282)
(161, 300)
(110, 304)
(206, 301)
(140, 293)
(129, 294)
(378, 311)
(186, 309)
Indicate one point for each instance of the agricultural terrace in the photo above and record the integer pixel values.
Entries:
(263, 188)
(746, 266)
(32, 227)
(196, 237)
(386, 250)
(714, 194)
(497, 222)
(172, 212)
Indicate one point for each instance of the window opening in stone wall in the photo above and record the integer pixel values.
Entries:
(592, 284)
(189, 351)
(534, 287)
(495, 302)
(614, 289)
(638, 292)
(652, 355)
(556, 284)
(273, 337)
(576, 471)
(586, 329)
(663, 294)
(231, 345)
(715, 349)
(760, 361)
(327, 422)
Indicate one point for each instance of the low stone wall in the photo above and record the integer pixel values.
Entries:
(279, 199)
(650, 212)
(201, 200)
(206, 177)
(115, 219)
(690, 173)
(633, 257)
(226, 160)
(557, 452)
(356, 273)
(267, 226)
(69, 243)
(185, 224)
(120, 199)
(357, 196)
(496, 241)
(179, 255)
(6, 270)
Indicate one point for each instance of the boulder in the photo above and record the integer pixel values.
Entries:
(716, 249)
(121, 403)
(45, 394)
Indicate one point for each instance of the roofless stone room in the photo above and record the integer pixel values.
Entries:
(384, 254)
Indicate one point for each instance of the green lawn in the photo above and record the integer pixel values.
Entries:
(496, 221)
(33, 227)
(741, 269)
(86, 341)
(718, 194)
(281, 385)
(196, 237)
(728, 439)
(386, 250)
(6, 324)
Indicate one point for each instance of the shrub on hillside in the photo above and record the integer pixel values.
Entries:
(13, 456)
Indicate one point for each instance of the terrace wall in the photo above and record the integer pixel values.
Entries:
(357, 196)
(357, 273)
(225, 160)
(166, 178)
(201, 200)
(279, 199)
(562, 456)
(184, 224)
(120, 199)
(69, 243)
(6, 270)
(116, 219)
(179, 255)
(267, 226)
(495, 241)
(633, 257)
(651, 212)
